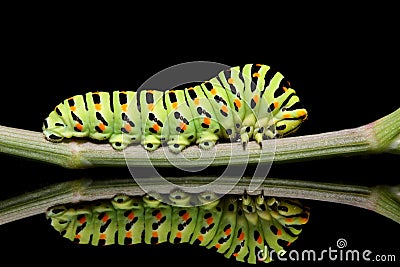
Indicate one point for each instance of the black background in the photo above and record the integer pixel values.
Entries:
(343, 64)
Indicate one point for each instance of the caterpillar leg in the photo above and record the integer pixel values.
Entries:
(264, 132)
(264, 135)
(245, 134)
(119, 141)
(151, 143)
(176, 148)
(207, 140)
(177, 143)
(206, 145)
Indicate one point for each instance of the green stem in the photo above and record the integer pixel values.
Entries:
(384, 200)
(379, 136)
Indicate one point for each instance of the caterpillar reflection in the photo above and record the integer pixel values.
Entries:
(246, 228)
(241, 103)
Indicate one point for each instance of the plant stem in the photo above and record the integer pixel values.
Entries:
(382, 135)
(384, 200)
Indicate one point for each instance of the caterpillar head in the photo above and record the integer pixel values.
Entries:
(287, 110)
(289, 120)
(292, 209)
(289, 207)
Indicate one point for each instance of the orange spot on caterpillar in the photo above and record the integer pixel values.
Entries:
(179, 235)
(237, 102)
(196, 101)
(259, 240)
(276, 104)
(154, 234)
(287, 116)
(228, 231)
(183, 126)
(210, 220)
(128, 234)
(230, 80)
(256, 74)
(159, 216)
(200, 238)
(175, 105)
(235, 255)
(207, 121)
(124, 107)
(102, 126)
(224, 109)
(82, 220)
(97, 106)
(213, 91)
(218, 245)
(102, 236)
(289, 220)
(79, 126)
(150, 107)
(303, 220)
(301, 113)
(73, 108)
(78, 236)
(284, 88)
(105, 218)
(128, 127)
(131, 216)
(255, 98)
(241, 236)
(156, 127)
(259, 65)
(279, 233)
(186, 216)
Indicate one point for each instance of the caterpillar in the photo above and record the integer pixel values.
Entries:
(239, 104)
(242, 227)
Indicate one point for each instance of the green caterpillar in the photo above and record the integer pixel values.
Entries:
(241, 103)
(246, 228)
